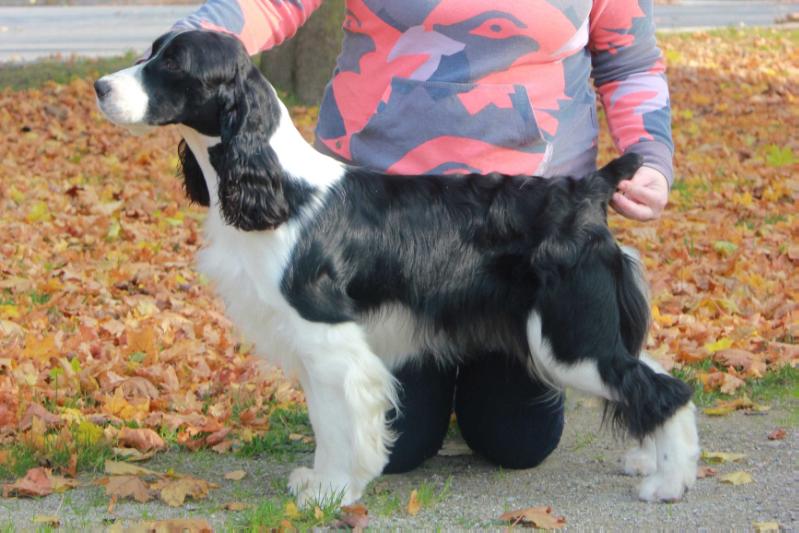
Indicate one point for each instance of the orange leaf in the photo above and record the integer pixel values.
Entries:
(414, 506)
(540, 517)
(144, 439)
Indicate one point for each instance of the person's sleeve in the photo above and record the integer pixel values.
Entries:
(259, 24)
(629, 74)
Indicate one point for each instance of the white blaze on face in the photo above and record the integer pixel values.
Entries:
(126, 101)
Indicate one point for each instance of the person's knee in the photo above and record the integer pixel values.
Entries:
(522, 442)
(505, 415)
(425, 397)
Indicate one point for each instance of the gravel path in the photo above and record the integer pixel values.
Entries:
(581, 481)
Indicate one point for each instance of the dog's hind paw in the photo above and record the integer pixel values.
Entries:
(669, 487)
(309, 488)
(640, 461)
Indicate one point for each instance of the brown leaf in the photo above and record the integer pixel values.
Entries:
(174, 525)
(237, 506)
(706, 471)
(36, 410)
(217, 437)
(174, 492)
(223, 447)
(777, 434)
(132, 454)
(38, 482)
(143, 439)
(128, 487)
(72, 466)
(540, 517)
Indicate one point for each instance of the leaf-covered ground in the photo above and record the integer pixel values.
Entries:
(104, 323)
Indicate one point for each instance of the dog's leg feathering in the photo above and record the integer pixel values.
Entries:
(653, 406)
(348, 390)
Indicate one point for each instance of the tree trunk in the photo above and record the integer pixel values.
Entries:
(303, 65)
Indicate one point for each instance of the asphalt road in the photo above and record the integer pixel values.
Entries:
(28, 33)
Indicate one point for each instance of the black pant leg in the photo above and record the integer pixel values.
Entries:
(504, 414)
(425, 398)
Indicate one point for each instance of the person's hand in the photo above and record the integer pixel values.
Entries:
(643, 197)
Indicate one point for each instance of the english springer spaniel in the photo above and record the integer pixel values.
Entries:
(340, 274)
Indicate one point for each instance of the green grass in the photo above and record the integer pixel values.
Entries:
(429, 495)
(272, 514)
(91, 450)
(31, 75)
(283, 421)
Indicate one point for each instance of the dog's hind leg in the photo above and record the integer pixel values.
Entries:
(649, 404)
(642, 460)
(348, 390)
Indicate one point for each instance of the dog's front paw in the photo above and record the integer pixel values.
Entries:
(640, 461)
(666, 487)
(309, 488)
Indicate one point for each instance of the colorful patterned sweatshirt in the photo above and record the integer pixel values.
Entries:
(444, 86)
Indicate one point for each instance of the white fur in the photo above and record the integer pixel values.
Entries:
(299, 159)
(348, 388)
(583, 376)
(676, 444)
(126, 103)
(642, 460)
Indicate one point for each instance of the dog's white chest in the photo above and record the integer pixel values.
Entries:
(246, 269)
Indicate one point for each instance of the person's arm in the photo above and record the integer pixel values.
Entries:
(259, 24)
(629, 74)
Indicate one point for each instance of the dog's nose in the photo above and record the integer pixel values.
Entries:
(102, 88)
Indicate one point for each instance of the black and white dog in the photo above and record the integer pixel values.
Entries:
(341, 274)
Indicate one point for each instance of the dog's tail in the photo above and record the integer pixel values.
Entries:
(603, 182)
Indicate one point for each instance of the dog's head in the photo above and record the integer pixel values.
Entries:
(205, 80)
(190, 78)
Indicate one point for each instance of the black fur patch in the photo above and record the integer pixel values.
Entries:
(193, 180)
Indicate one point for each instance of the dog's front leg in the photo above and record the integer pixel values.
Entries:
(348, 390)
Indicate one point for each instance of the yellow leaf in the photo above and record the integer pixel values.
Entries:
(9, 311)
(722, 457)
(764, 527)
(117, 468)
(736, 478)
(40, 349)
(318, 513)
(413, 503)
(46, 520)
(236, 475)
(175, 491)
(290, 510)
(721, 344)
(38, 212)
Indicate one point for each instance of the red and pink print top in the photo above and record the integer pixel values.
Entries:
(443, 86)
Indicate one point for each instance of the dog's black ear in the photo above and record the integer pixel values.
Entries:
(251, 180)
(193, 179)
